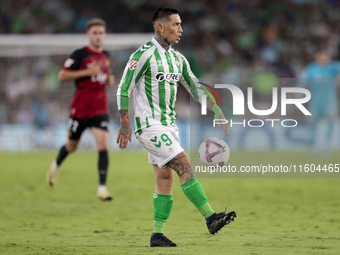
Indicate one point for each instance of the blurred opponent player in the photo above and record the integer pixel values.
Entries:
(90, 68)
(321, 76)
(153, 73)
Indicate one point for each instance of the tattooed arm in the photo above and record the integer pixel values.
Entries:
(218, 115)
(193, 86)
(125, 87)
(124, 132)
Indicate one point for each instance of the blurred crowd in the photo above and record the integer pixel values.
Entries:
(228, 39)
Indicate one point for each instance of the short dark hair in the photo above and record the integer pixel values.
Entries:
(162, 13)
(95, 22)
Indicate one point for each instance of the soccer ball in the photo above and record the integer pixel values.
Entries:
(214, 152)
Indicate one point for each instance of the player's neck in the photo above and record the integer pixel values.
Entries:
(95, 49)
(162, 41)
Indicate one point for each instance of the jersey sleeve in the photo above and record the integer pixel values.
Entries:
(74, 61)
(135, 68)
(189, 81)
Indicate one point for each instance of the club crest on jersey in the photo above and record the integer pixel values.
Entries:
(159, 63)
(177, 63)
(133, 64)
(68, 62)
(168, 76)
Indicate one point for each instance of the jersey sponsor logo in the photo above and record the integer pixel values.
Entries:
(68, 62)
(133, 64)
(101, 77)
(168, 76)
(160, 77)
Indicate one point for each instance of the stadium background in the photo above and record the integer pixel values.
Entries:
(224, 41)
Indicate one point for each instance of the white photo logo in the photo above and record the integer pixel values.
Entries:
(239, 102)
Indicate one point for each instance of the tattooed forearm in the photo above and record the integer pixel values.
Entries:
(124, 122)
(124, 117)
(210, 103)
(164, 42)
(181, 165)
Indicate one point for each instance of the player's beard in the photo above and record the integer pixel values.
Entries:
(167, 41)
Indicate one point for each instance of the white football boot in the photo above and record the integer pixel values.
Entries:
(53, 174)
(103, 194)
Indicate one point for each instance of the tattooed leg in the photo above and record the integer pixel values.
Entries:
(191, 187)
(182, 166)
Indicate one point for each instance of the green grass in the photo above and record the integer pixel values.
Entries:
(275, 216)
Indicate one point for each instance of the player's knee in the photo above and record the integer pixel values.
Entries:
(169, 181)
(71, 147)
(166, 180)
(102, 144)
(102, 147)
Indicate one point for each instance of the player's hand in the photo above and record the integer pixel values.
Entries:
(111, 80)
(94, 69)
(124, 136)
(224, 126)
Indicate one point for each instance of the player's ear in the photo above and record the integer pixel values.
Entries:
(160, 27)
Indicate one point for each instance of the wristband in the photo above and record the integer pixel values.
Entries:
(217, 110)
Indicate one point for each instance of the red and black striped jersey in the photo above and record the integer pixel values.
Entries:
(90, 98)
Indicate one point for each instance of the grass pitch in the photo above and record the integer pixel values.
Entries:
(274, 216)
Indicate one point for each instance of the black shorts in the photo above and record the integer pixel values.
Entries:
(76, 126)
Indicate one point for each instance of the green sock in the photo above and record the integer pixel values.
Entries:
(162, 205)
(195, 193)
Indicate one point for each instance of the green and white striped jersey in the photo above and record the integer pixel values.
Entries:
(153, 74)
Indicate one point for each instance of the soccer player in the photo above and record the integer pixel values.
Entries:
(153, 73)
(90, 68)
(321, 76)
